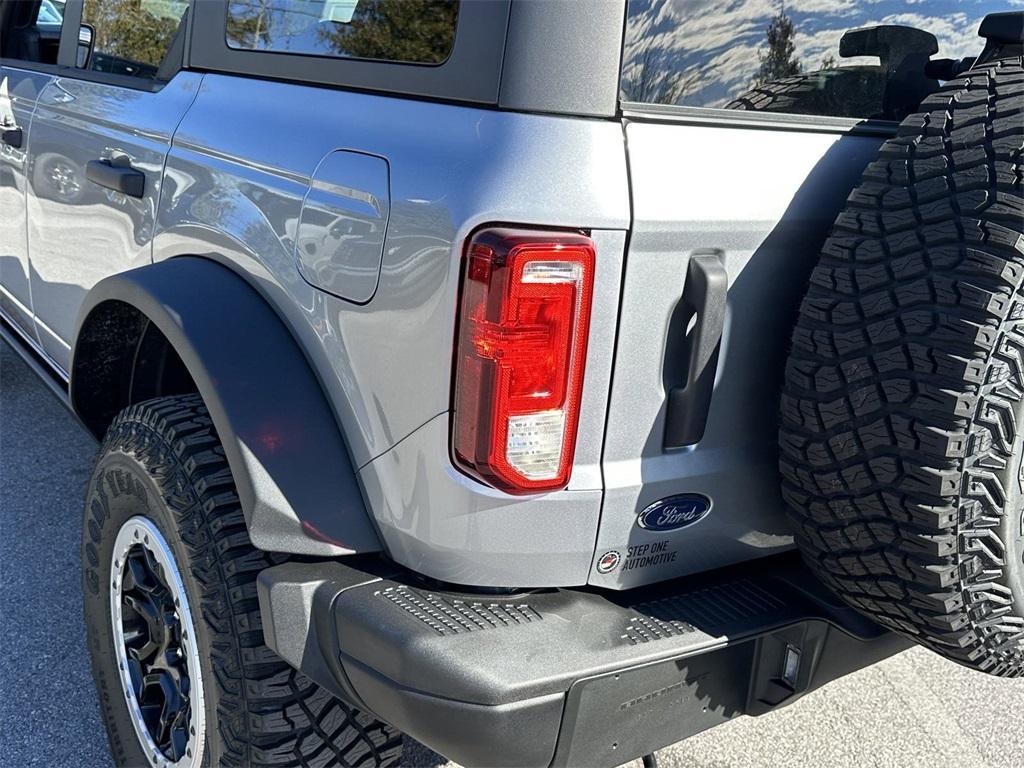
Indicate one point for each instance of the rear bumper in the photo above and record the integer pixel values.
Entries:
(564, 677)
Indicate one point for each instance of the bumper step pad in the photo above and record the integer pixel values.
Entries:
(565, 677)
(452, 616)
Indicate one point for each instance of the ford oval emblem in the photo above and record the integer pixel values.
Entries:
(675, 512)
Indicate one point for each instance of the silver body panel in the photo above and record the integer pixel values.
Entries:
(441, 523)
(19, 90)
(340, 239)
(79, 232)
(237, 196)
(765, 199)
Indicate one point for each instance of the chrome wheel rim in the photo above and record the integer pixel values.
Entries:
(155, 644)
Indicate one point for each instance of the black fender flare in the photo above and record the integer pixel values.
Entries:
(295, 479)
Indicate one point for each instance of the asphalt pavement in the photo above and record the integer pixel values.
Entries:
(912, 710)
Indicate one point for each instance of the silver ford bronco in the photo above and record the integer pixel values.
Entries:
(548, 381)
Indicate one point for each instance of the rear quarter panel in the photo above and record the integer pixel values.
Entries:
(236, 177)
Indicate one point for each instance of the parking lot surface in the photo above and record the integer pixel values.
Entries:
(912, 710)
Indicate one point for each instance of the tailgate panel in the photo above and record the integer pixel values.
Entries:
(766, 199)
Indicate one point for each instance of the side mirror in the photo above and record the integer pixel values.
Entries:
(86, 37)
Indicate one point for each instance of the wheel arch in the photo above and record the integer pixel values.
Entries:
(189, 324)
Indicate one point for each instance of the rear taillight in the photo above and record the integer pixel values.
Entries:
(520, 354)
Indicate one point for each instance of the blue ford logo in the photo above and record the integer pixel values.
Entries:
(674, 512)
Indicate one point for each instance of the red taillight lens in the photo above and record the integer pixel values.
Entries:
(522, 344)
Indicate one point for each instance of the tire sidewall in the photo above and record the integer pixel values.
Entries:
(122, 488)
(1013, 524)
(1010, 479)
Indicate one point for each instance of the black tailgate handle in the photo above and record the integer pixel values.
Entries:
(703, 300)
(116, 174)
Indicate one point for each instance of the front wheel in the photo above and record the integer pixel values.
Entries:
(172, 617)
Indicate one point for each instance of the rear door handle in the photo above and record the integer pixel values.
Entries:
(13, 136)
(704, 299)
(121, 177)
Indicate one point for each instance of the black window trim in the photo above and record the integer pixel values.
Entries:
(472, 71)
(31, 66)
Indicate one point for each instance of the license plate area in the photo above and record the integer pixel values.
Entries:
(613, 718)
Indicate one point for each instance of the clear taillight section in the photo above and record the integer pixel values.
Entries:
(520, 354)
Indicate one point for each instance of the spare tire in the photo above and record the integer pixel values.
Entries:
(902, 436)
(889, 90)
(840, 92)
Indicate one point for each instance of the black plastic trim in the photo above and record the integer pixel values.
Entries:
(704, 300)
(12, 136)
(295, 479)
(120, 178)
(36, 361)
(565, 677)
(1006, 28)
(563, 57)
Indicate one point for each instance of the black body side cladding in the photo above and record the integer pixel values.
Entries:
(16, 339)
(294, 476)
(565, 677)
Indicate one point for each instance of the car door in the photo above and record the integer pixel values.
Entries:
(29, 41)
(101, 133)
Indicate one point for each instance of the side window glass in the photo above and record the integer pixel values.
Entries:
(410, 31)
(136, 38)
(876, 59)
(33, 32)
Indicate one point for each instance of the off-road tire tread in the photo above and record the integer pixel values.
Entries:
(269, 714)
(783, 95)
(902, 405)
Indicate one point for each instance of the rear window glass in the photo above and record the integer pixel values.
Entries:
(408, 31)
(844, 58)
